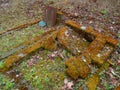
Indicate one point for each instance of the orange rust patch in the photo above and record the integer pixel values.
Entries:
(81, 88)
(76, 68)
(93, 49)
(50, 42)
(118, 88)
(62, 38)
(92, 82)
(103, 54)
(19, 55)
(96, 45)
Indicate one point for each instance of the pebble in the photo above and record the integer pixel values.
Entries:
(111, 27)
(17, 75)
(42, 23)
(83, 27)
(76, 14)
(66, 33)
(113, 22)
(21, 55)
(98, 55)
(91, 22)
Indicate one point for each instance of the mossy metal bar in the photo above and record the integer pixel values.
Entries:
(93, 81)
(91, 31)
(21, 54)
(24, 45)
(20, 26)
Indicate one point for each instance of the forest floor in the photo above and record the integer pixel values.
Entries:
(13, 13)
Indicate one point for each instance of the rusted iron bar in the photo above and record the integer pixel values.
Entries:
(24, 52)
(60, 38)
(77, 68)
(50, 15)
(91, 31)
(6, 54)
(92, 52)
(24, 45)
(95, 52)
(20, 26)
(66, 14)
(93, 80)
(33, 22)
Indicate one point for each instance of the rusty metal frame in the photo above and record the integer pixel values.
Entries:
(50, 38)
(90, 53)
(17, 56)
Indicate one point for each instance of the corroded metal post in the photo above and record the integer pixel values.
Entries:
(50, 15)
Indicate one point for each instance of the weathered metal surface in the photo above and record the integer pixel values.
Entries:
(20, 27)
(6, 54)
(94, 52)
(50, 15)
(97, 45)
(77, 68)
(89, 30)
(24, 45)
(24, 52)
(117, 88)
(85, 50)
(93, 81)
(73, 41)
(24, 25)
